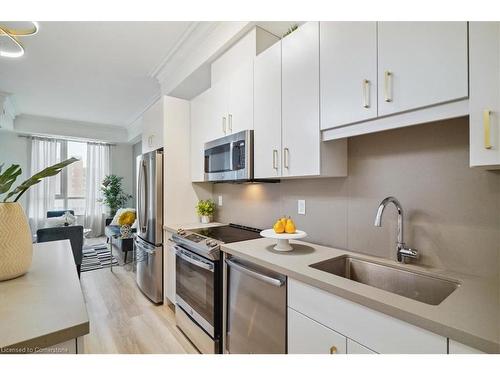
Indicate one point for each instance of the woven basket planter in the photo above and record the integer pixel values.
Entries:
(16, 249)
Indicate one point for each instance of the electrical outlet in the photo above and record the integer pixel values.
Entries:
(301, 207)
(220, 200)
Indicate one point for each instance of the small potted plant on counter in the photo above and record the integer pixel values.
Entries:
(205, 210)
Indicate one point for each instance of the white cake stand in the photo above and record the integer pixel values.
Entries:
(283, 238)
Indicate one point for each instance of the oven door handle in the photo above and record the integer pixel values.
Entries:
(256, 275)
(193, 259)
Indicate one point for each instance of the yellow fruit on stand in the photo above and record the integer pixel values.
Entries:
(290, 226)
(283, 220)
(279, 227)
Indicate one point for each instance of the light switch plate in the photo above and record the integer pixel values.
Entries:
(220, 200)
(301, 207)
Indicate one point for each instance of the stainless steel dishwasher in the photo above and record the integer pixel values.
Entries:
(256, 309)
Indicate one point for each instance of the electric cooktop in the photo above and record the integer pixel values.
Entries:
(229, 233)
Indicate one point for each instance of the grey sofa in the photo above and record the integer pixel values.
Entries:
(73, 233)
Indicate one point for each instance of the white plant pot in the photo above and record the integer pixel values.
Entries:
(205, 219)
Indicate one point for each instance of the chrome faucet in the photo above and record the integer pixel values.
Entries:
(403, 253)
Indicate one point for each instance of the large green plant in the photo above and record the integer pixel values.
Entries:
(10, 175)
(113, 194)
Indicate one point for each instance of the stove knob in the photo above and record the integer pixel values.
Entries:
(181, 231)
(211, 243)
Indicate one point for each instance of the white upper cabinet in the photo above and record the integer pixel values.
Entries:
(240, 99)
(484, 103)
(228, 106)
(203, 125)
(152, 127)
(303, 152)
(267, 113)
(421, 64)
(232, 104)
(218, 113)
(348, 64)
(300, 74)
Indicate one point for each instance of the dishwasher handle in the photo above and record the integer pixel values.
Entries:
(256, 275)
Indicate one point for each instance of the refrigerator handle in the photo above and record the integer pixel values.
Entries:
(139, 197)
(146, 198)
(142, 201)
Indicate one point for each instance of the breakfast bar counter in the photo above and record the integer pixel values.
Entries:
(45, 307)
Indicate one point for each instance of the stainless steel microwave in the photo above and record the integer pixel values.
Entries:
(230, 158)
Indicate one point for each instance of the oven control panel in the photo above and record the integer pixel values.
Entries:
(196, 242)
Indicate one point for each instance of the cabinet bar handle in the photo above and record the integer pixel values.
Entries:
(388, 86)
(230, 122)
(275, 158)
(333, 349)
(224, 124)
(366, 93)
(486, 127)
(285, 157)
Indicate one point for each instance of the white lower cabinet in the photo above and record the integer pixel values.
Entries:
(305, 336)
(169, 272)
(371, 329)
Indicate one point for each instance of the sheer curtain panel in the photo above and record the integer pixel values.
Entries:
(41, 197)
(98, 161)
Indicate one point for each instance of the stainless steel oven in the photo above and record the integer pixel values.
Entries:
(230, 158)
(198, 298)
(198, 281)
(195, 287)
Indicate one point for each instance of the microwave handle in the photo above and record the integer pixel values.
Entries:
(231, 148)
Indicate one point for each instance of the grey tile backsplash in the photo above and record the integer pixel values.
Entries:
(452, 212)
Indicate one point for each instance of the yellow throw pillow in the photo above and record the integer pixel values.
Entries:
(126, 218)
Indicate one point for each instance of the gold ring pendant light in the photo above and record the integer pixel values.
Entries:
(12, 34)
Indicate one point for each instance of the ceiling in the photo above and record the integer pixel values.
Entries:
(97, 72)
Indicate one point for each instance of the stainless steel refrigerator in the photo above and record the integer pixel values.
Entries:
(149, 239)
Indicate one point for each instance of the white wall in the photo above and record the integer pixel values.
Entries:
(15, 150)
(121, 165)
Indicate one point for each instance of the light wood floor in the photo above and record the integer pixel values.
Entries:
(122, 320)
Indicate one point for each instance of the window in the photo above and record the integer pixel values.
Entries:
(70, 183)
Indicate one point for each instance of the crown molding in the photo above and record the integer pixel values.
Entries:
(189, 33)
(201, 44)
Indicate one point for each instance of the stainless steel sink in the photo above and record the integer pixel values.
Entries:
(424, 288)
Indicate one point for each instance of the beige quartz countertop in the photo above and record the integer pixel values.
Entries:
(470, 315)
(45, 306)
(189, 226)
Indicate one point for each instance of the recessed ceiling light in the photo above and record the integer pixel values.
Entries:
(12, 35)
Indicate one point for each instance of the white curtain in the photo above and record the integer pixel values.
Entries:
(41, 197)
(98, 166)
